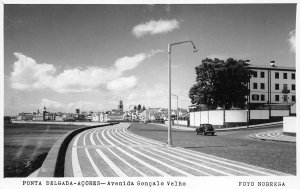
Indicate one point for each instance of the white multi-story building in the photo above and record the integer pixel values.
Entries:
(99, 117)
(272, 85)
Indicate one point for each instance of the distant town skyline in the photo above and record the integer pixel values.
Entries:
(88, 57)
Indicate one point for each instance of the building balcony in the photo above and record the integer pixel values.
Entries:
(285, 91)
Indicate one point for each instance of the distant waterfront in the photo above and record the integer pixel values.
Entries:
(24, 142)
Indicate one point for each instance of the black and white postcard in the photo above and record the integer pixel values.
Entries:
(150, 94)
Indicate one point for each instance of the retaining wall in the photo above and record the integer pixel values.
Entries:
(62, 123)
(280, 113)
(290, 125)
(235, 117)
(53, 165)
(216, 117)
(259, 114)
(181, 122)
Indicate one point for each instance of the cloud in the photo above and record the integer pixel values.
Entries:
(50, 103)
(122, 83)
(153, 52)
(29, 75)
(219, 56)
(156, 95)
(292, 41)
(70, 107)
(155, 27)
(87, 80)
(129, 63)
(84, 106)
(168, 8)
(242, 56)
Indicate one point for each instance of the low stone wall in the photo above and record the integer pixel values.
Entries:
(181, 122)
(62, 123)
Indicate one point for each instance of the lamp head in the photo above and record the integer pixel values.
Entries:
(195, 49)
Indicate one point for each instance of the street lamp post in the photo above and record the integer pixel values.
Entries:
(176, 107)
(248, 100)
(169, 71)
(130, 113)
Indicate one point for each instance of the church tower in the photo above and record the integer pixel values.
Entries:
(120, 106)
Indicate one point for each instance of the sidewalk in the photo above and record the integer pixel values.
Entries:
(275, 135)
(222, 129)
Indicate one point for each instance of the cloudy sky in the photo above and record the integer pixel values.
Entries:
(91, 56)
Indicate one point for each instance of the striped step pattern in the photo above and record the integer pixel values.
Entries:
(276, 135)
(114, 151)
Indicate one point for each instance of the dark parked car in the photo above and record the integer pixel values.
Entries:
(205, 129)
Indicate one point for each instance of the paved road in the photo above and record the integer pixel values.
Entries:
(113, 151)
(234, 145)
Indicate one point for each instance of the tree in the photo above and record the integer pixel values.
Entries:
(221, 83)
(134, 107)
(139, 107)
(144, 108)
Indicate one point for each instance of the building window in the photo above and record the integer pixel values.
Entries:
(254, 73)
(293, 76)
(262, 86)
(285, 98)
(262, 97)
(262, 74)
(276, 75)
(255, 97)
(293, 98)
(254, 85)
(284, 75)
(293, 87)
(277, 98)
(276, 86)
(285, 87)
